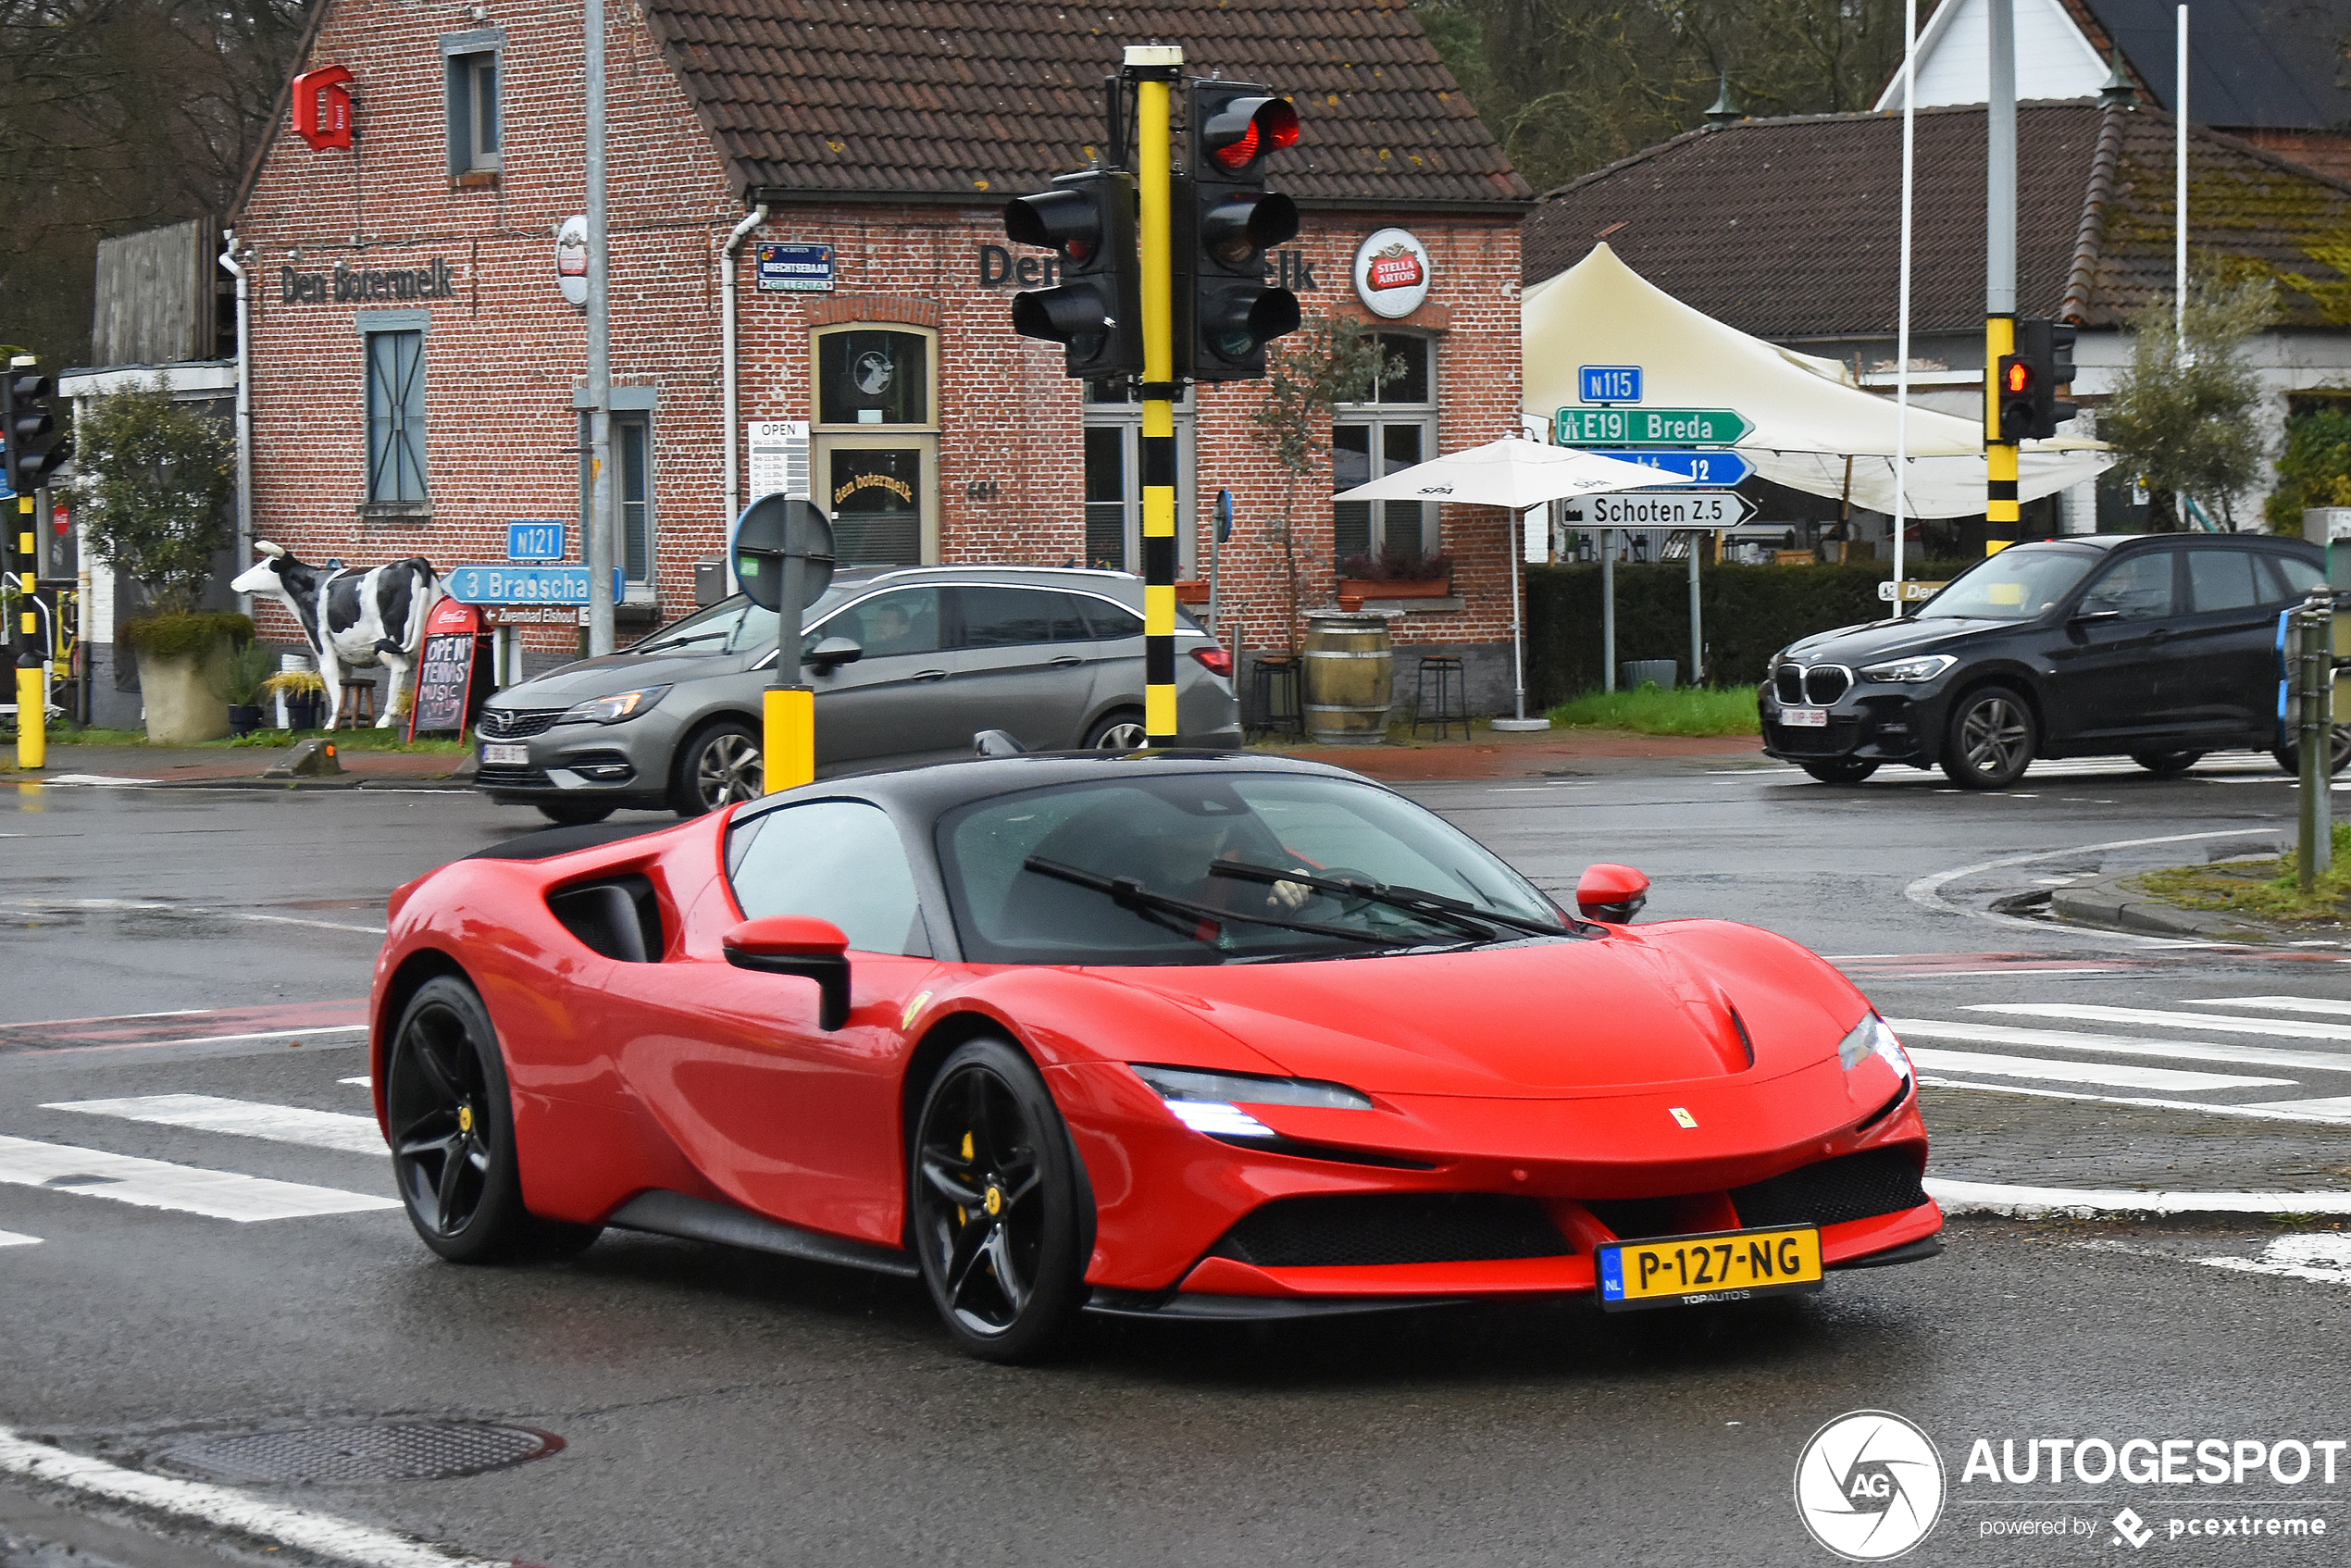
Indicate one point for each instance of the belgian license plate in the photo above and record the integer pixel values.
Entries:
(1805, 718)
(496, 753)
(1728, 1265)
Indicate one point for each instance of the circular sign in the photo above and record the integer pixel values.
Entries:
(1392, 273)
(772, 528)
(1869, 1486)
(571, 259)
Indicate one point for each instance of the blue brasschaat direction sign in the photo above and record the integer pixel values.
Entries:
(485, 584)
(1720, 469)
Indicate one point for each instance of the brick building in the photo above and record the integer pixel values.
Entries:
(417, 373)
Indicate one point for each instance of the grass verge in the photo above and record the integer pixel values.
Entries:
(346, 740)
(1651, 710)
(2269, 889)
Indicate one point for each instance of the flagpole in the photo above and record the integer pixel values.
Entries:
(1902, 329)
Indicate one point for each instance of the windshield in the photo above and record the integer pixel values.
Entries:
(731, 626)
(1031, 876)
(2019, 584)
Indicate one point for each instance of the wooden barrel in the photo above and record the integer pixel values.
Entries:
(1350, 679)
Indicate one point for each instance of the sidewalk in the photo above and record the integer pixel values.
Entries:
(1487, 754)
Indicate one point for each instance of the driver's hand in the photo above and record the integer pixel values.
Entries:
(1290, 895)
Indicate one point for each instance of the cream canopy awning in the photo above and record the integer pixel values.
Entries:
(1808, 419)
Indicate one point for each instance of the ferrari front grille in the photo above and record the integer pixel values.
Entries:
(1851, 1187)
(1361, 1230)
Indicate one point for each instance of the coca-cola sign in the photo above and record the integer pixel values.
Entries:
(1392, 273)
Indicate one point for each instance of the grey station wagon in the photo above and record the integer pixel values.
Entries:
(908, 663)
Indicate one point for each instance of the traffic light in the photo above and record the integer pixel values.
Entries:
(33, 452)
(1094, 309)
(1224, 313)
(2017, 385)
(2047, 347)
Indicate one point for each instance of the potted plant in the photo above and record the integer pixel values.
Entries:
(304, 689)
(245, 674)
(1398, 571)
(156, 480)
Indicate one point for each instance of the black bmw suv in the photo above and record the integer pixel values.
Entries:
(2155, 647)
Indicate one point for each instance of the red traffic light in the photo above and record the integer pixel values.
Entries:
(1249, 129)
(2016, 375)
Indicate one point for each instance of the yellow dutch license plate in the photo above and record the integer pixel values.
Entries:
(1728, 1265)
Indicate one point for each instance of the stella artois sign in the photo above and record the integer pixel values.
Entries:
(1392, 273)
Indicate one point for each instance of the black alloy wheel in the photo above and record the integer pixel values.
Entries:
(718, 766)
(2289, 756)
(573, 814)
(453, 1127)
(1991, 740)
(994, 1213)
(1838, 770)
(2167, 765)
(1119, 732)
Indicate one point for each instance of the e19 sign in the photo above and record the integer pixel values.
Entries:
(1610, 383)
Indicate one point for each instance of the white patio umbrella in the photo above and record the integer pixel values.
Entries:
(1519, 475)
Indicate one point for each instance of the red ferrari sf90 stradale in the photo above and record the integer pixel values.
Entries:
(1162, 1035)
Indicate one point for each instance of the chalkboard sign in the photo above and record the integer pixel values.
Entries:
(446, 671)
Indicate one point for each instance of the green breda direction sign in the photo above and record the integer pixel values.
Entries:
(1650, 426)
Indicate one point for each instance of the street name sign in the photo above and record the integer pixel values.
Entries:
(1666, 509)
(502, 584)
(1650, 426)
(1722, 469)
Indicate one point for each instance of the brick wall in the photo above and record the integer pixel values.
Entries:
(504, 351)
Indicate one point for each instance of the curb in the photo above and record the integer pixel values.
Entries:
(2110, 904)
(2035, 1202)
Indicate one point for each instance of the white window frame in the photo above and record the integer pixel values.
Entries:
(1376, 414)
(1128, 418)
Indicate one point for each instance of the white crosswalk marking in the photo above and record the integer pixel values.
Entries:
(2118, 1074)
(2337, 1109)
(153, 1184)
(363, 1080)
(11, 1238)
(2282, 1004)
(279, 1123)
(2123, 1045)
(2085, 1011)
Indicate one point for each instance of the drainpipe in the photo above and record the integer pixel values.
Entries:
(728, 253)
(244, 412)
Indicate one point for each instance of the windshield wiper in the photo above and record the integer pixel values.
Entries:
(1128, 892)
(1412, 901)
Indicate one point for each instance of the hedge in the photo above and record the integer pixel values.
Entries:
(168, 635)
(1747, 615)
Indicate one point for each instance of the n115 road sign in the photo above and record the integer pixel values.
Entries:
(522, 585)
(1650, 426)
(1703, 468)
(1664, 509)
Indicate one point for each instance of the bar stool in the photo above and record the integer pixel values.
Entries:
(1274, 678)
(358, 703)
(1449, 702)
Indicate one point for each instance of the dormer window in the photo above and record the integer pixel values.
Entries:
(473, 62)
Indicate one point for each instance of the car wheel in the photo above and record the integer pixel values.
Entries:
(995, 1210)
(717, 766)
(1839, 771)
(453, 1129)
(2167, 765)
(2289, 756)
(573, 814)
(1991, 740)
(1120, 731)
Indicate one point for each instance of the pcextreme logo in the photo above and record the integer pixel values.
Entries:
(1869, 1486)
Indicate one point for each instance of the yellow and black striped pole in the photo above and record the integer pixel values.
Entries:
(1153, 68)
(32, 701)
(2000, 453)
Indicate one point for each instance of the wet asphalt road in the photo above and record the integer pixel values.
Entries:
(725, 1408)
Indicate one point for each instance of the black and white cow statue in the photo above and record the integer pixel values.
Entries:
(352, 615)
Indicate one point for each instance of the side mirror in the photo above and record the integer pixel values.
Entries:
(2096, 616)
(1610, 893)
(833, 651)
(797, 944)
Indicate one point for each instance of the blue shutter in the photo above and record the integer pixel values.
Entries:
(396, 416)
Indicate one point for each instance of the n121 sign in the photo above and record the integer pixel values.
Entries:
(535, 541)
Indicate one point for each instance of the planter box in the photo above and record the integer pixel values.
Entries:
(183, 695)
(1375, 588)
(1193, 591)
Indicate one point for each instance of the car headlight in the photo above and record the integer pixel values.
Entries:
(1869, 1037)
(1924, 667)
(1211, 1103)
(614, 709)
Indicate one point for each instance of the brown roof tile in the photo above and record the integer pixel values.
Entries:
(933, 98)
